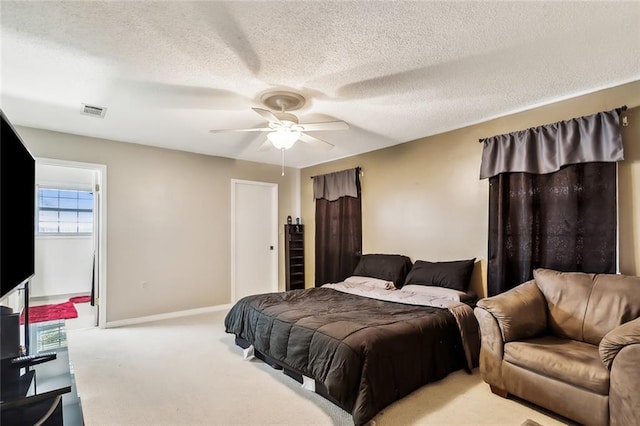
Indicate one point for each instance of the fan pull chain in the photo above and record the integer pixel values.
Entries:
(282, 161)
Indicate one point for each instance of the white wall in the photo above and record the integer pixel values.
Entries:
(64, 266)
(50, 175)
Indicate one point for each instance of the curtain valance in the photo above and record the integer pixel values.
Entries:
(335, 185)
(545, 149)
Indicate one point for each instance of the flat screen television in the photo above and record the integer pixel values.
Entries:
(17, 209)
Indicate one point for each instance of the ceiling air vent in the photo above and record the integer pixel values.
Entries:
(93, 111)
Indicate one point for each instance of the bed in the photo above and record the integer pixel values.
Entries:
(367, 341)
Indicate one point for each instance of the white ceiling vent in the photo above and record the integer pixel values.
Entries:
(93, 111)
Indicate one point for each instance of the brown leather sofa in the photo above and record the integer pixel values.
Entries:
(568, 342)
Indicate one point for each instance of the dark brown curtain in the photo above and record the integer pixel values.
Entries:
(338, 237)
(564, 220)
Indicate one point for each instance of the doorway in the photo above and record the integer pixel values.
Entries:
(254, 238)
(72, 265)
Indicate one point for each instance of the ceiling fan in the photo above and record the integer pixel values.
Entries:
(284, 129)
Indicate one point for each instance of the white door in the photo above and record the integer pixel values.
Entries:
(254, 238)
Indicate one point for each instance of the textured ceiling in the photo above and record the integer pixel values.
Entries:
(168, 72)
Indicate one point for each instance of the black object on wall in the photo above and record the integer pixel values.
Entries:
(17, 203)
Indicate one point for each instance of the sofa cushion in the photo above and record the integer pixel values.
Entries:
(567, 295)
(615, 300)
(570, 361)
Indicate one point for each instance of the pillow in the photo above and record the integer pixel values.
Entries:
(389, 267)
(441, 292)
(371, 282)
(454, 274)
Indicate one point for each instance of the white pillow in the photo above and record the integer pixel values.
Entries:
(442, 292)
(371, 282)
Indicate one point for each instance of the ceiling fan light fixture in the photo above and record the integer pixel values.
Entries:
(283, 138)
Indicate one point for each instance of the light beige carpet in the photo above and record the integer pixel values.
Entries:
(188, 371)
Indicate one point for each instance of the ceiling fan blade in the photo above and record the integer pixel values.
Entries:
(312, 140)
(259, 129)
(266, 145)
(268, 115)
(327, 125)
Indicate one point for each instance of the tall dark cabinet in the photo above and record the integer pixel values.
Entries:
(294, 256)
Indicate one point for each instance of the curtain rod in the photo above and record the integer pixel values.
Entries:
(619, 110)
(358, 169)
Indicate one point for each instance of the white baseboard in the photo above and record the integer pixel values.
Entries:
(168, 315)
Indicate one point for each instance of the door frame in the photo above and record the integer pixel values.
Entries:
(274, 232)
(100, 232)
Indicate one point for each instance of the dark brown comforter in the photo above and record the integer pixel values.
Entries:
(367, 353)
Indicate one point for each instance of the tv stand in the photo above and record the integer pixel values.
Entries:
(43, 391)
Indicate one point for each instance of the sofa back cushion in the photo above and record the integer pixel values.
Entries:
(584, 306)
(615, 299)
(567, 295)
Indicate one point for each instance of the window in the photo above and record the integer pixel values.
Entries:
(49, 335)
(63, 211)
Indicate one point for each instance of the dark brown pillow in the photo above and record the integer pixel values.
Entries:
(390, 267)
(454, 274)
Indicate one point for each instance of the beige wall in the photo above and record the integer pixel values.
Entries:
(168, 220)
(629, 191)
(169, 211)
(424, 198)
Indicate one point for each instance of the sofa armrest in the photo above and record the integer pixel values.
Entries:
(615, 340)
(520, 312)
(491, 348)
(621, 350)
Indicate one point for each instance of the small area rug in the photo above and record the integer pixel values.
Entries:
(80, 299)
(58, 311)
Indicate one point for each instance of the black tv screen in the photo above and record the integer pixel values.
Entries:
(17, 209)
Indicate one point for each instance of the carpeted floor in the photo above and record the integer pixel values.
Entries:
(187, 371)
